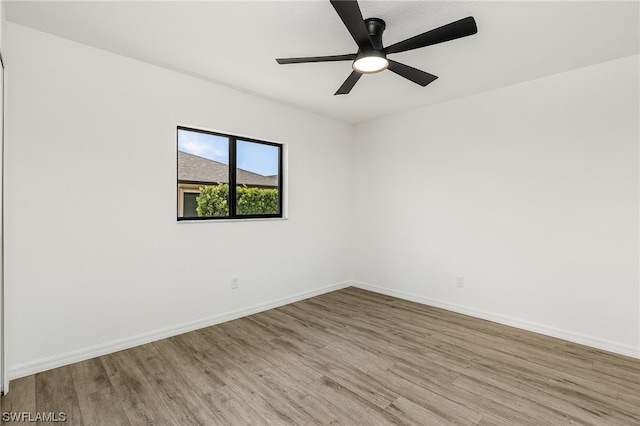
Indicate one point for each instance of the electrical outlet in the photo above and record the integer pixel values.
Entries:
(460, 281)
(235, 283)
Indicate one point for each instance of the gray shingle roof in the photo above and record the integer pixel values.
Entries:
(192, 168)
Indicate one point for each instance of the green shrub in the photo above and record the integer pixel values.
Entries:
(256, 200)
(212, 200)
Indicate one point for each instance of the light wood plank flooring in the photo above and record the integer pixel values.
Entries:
(350, 357)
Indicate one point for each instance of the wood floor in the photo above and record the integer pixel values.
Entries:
(350, 357)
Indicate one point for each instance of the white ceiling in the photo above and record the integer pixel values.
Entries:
(235, 43)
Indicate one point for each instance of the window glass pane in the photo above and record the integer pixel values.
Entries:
(203, 164)
(257, 178)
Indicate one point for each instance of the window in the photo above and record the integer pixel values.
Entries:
(215, 168)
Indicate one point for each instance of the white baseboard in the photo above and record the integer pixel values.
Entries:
(83, 354)
(570, 336)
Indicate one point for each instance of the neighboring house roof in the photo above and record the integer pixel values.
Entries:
(192, 168)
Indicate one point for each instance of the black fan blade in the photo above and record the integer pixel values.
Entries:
(348, 83)
(349, 57)
(419, 77)
(462, 28)
(349, 12)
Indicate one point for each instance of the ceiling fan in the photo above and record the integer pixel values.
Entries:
(372, 56)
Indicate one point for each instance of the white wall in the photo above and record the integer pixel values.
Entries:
(529, 192)
(3, 21)
(4, 377)
(95, 256)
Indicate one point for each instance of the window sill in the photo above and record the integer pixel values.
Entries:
(249, 219)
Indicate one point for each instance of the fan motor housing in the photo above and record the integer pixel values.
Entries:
(376, 27)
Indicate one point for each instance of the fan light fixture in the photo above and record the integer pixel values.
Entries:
(370, 62)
